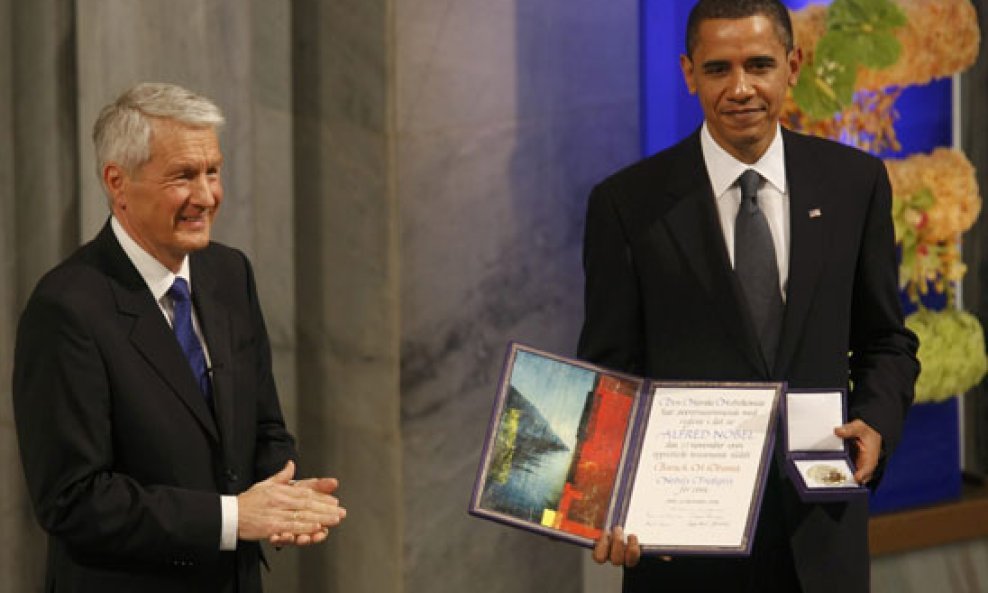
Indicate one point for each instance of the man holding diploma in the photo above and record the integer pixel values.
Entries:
(750, 253)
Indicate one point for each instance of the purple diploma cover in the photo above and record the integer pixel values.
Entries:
(574, 449)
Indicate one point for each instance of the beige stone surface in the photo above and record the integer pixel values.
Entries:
(409, 180)
(347, 285)
(507, 114)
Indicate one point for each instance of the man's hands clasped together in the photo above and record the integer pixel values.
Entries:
(289, 512)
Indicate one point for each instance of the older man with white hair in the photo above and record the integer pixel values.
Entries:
(150, 431)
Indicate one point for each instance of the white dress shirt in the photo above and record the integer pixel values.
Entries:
(159, 279)
(773, 194)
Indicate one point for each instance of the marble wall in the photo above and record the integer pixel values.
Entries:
(507, 113)
(346, 284)
(409, 178)
(38, 223)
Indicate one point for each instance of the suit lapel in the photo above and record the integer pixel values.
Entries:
(807, 210)
(215, 322)
(693, 223)
(150, 334)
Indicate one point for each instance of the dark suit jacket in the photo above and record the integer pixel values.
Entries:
(123, 457)
(662, 301)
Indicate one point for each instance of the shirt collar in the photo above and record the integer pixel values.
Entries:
(724, 169)
(157, 277)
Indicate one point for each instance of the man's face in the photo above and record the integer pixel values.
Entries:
(740, 71)
(167, 206)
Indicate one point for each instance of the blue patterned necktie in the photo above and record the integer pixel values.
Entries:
(187, 339)
(757, 268)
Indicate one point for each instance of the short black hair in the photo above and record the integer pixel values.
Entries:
(705, 10)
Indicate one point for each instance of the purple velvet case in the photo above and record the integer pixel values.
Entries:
(811, 487)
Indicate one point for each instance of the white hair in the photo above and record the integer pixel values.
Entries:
(122, 133)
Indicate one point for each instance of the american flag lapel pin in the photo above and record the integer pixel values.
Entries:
(816, 213)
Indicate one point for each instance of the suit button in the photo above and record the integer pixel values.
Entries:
(231, 475)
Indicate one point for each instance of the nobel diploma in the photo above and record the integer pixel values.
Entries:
(573, 449)
(701, 468)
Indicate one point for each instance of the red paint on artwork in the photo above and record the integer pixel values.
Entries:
(587, 492)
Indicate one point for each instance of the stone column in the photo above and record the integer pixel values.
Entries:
(347, 285)
(38, 222)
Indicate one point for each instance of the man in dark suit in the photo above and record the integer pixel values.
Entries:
(667, 295)
(150, 431)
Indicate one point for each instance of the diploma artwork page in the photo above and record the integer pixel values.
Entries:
(574, 449)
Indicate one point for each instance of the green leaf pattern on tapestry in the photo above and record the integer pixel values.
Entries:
(859, 33)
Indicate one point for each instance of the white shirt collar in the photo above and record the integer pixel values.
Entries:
(724, 169)
(158, 278)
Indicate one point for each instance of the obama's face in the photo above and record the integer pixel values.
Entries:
(741, 71)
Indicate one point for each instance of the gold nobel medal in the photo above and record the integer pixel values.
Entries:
(827, 475)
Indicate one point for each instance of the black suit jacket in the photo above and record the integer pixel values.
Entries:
(124, 459)
(662, 300)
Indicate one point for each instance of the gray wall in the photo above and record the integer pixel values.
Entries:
(346, 285)
(507, 113)
(38, 220)
(409, 178)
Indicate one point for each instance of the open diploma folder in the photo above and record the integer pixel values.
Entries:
(574, 449)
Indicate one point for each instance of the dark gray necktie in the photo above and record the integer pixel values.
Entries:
(756, 266)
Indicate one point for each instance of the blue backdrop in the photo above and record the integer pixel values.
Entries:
(669, 112)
